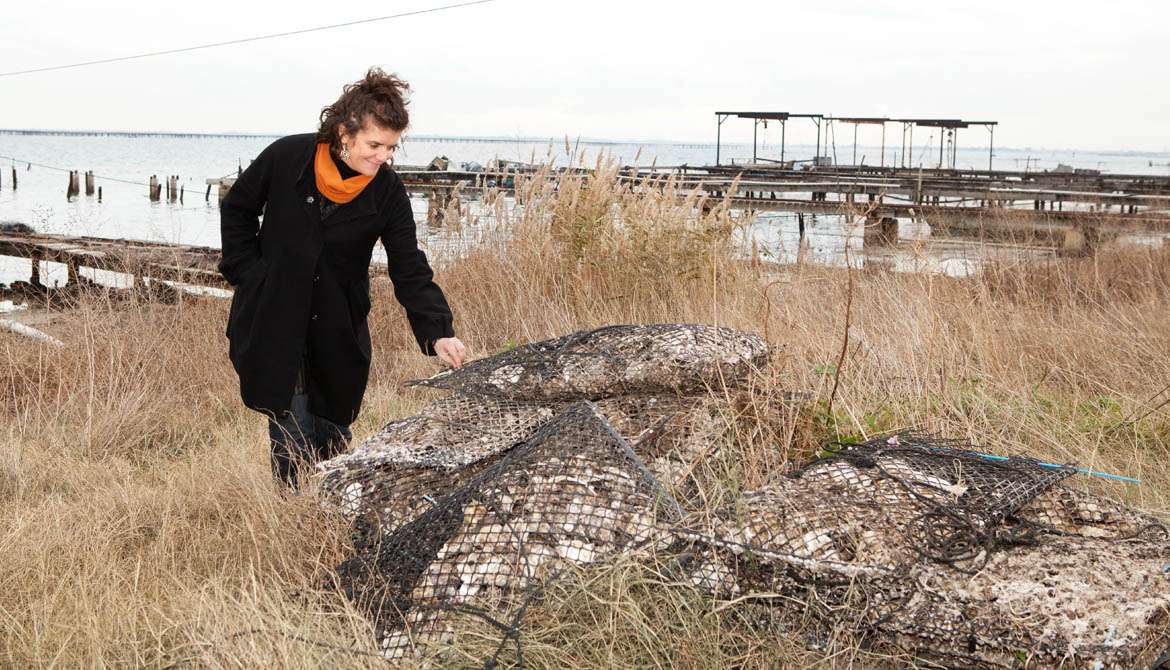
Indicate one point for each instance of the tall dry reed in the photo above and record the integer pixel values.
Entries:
(139, 525)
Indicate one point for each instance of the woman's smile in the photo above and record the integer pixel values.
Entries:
(370, 147)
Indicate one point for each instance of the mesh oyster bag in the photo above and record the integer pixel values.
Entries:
(393, 474)
(573, 494)
(886, 504)
(938, 550)
(613, 360)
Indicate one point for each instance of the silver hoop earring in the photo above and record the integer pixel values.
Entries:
(344, 153)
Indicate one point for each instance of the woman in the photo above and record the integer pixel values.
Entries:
(297, 327)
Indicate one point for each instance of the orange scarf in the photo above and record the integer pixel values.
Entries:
(329, 181)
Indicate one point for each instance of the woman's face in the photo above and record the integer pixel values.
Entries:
(370, 147)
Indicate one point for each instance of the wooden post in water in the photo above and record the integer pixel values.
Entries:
(99, 194)
(181, 190)
(14, 178)
(880, 231)
(89, 183)
(34, 277)
(74, 187)
(173, 187)
(207, 196)
(155, 188)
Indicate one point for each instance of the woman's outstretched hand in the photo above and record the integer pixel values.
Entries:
(451, 351)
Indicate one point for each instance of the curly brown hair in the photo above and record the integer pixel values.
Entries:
(378, 96)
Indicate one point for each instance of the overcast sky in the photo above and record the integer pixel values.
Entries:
(1054, 74)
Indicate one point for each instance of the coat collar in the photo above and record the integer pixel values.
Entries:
(363, 205)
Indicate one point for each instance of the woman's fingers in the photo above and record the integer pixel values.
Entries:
(451, 351)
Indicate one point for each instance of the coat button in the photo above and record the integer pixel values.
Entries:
(309, 199)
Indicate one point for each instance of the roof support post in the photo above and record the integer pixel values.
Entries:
(755, 134)
(719, 119)
(855, 124)
(990, 147)
(782, 122)
(817, 156)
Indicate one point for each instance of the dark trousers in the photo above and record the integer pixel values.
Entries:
(301, 439)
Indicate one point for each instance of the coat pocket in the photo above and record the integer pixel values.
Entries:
(243, 303)
(359, 302)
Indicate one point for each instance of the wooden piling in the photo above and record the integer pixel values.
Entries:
(34, 277)
(181, 190)
(155, 188)
(13, 178)
(1079, 241)
(99, 194)
(207, 196)
(880, 232)
(74, 186)
(89, 182)
(434, 209)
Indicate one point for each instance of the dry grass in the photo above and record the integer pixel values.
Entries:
(139, 525)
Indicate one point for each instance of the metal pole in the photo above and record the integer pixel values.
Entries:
(954, 148)
(782, 122)
(755, 131)
(718, 136)
(941, 143)
(912, 145)
(990, 148)
(817, 156)
(902, 148)
(855, 143)
(883, 164)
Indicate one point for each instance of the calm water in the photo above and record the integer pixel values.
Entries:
(125, 210)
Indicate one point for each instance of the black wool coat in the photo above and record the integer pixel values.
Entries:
(302, 284)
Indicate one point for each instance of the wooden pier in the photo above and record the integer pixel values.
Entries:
(1070, 206)
(156, 260)
(159, 261)
(1132, 198)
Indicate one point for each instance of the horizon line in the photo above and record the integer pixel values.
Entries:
(503, 139)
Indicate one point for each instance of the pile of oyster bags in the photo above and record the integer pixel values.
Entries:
(572, 451)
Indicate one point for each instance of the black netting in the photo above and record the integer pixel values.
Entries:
(567, 452)
(608, 361)
(944, 551)
(950, 498)
(398, 471)
(573, 494)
